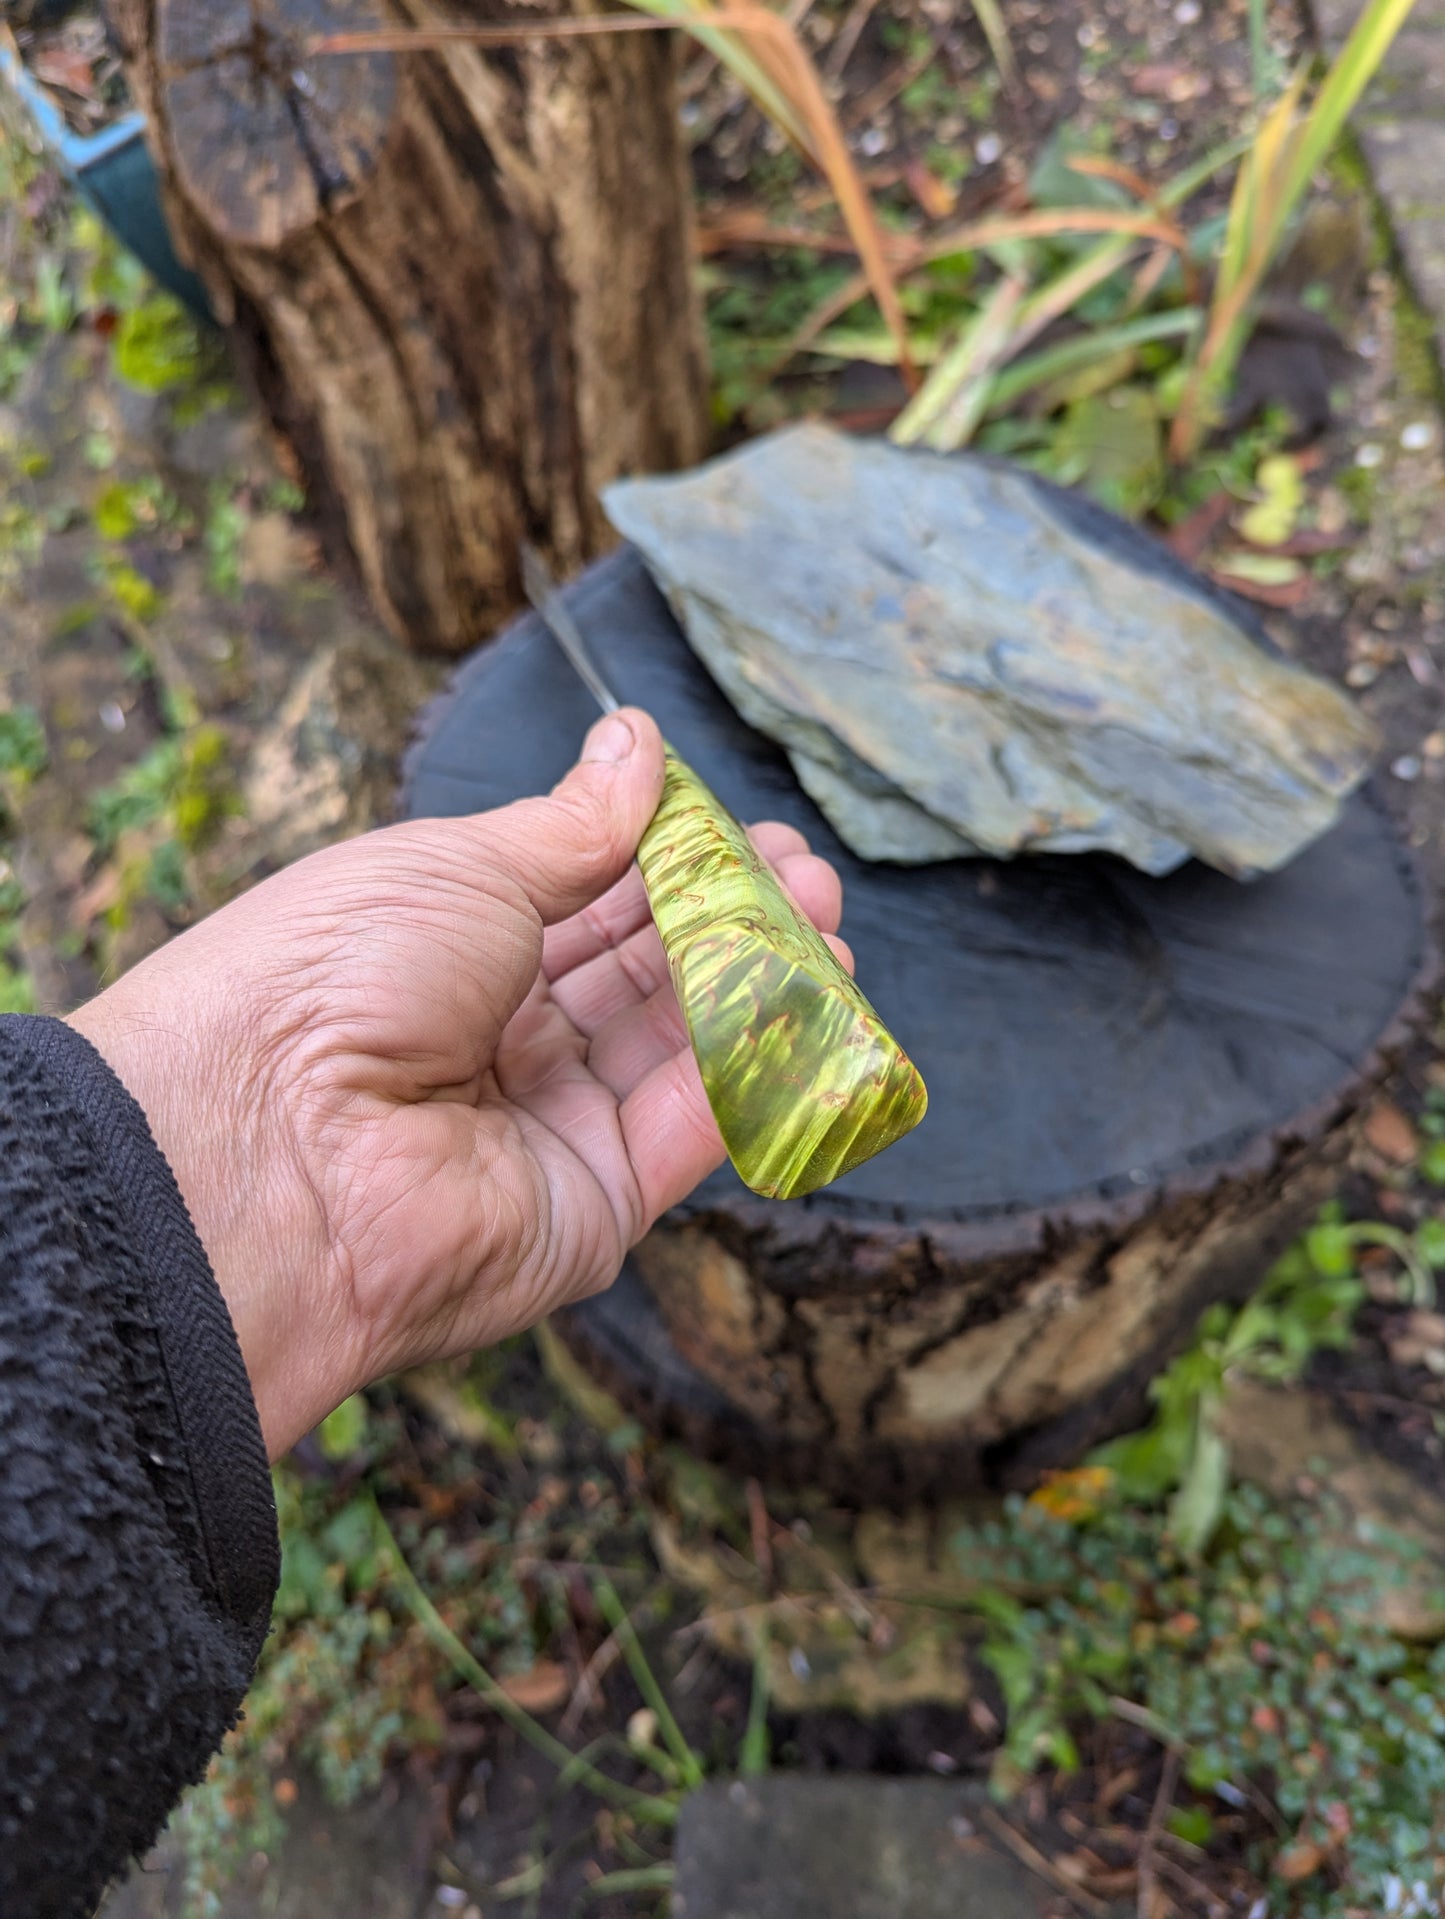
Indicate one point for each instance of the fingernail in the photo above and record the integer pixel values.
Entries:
(611, 740)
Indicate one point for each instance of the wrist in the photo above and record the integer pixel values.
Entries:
(263, 1232)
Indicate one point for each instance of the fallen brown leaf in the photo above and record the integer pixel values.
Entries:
(1192, 535)
(1286, 595)
(1300, 1861)
(935, 196)
(1390, 1134)
(1419, 1341)
(1164, 81)
(542, 1688)
(64, 67)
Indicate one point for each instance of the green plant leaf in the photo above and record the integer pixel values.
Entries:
(1331, 1249)
(1432, 1162)
(1274, 516)
(23, 748)
(1430, 1242)
(132, 591)
(1112, 445)
(1193, 1824)
(756, 1751)
(1273, 176)
(1197, 1506)
(115, 512)
(341, 1433)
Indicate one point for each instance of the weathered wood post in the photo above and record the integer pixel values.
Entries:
(461, 280)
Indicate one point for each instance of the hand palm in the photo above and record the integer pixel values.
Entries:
(441, 1120)
(536, 1148)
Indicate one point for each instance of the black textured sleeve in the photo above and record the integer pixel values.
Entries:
(138, 1550)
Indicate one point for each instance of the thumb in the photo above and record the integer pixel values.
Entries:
(567, 849)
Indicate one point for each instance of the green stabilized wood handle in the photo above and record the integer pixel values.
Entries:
(804, 1079)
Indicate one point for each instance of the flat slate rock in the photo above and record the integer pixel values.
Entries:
(848, 1846)
(960, 658)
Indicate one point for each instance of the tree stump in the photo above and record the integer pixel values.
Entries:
(1140, 1089)
(461, 280)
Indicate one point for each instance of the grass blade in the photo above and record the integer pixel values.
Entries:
(763, 51)
(951, 402)
(995, 30)
(1273, 177)
(1070, 355)
(1352, 71)
(607, 1885)
(615, 1613)
(643, 1806)
(1258, 52)
(756, 1752)
(966, 380)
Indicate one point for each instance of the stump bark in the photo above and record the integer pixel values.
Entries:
(1140, 1090)
(460, 280)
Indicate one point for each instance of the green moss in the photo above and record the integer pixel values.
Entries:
(17, 992)
(157, 345)
(1417, 356)
(132, 591)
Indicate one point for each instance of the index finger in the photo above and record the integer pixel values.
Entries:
(623, 909)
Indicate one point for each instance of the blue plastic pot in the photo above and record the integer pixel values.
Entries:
(114, 174)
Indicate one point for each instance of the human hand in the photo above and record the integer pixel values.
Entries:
(424, 1087)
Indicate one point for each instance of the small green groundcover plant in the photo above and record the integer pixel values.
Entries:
(1264, 1664)
(1249, 1636)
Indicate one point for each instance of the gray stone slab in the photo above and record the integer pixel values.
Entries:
(848, 1846)
(1335, 18)
(1411, 84)
(1407, 158)
(368, 1862)
(1402, 125)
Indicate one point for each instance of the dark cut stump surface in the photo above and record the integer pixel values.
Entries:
(1139, 1088)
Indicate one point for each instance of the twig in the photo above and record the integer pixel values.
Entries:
(1029, 1855)
(436, 39)
(1098, 167)
(1393, 1401)
(1158, 1812)
(818, 321)
(593, 1673)
(747, 228)
(1193, 1888)
(761, 1527)
(888, 89)
(848, 36)
(848, 1597)
(1149, 1722)
(758, 1609)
